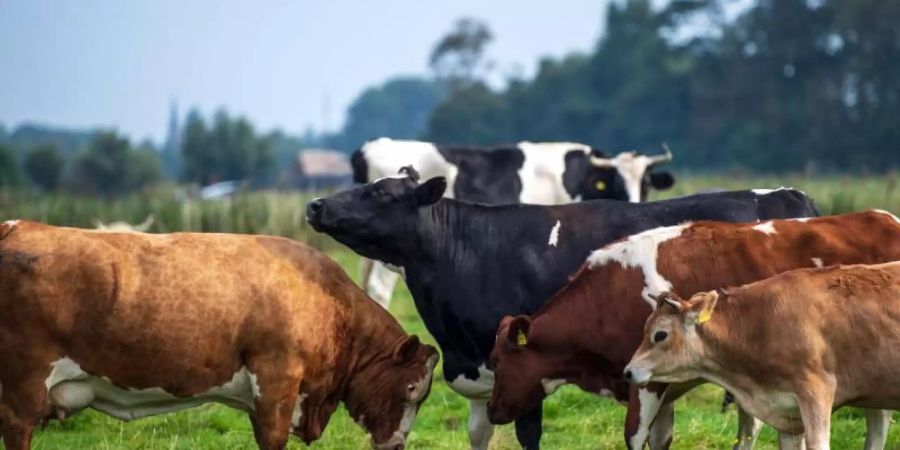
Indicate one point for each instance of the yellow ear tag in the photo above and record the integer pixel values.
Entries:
(521, 339)
(600, 185)
(705, 315)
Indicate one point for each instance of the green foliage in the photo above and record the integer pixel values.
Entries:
(109, 166)
(44, 166)
(227, 149)
(10, 175)
(788, 85)
(399, 108)
(67, 142)
(458, 56)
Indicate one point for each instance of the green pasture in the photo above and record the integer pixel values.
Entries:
(572, 419)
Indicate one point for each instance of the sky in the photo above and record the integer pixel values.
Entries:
(285, 64)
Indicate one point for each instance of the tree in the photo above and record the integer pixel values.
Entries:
(399, 109)
(44, 166)
(458, 57)
(109, 166)
(10, 175)
(229, 149)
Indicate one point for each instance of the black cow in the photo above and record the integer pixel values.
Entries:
(545, 173)
(468, 265)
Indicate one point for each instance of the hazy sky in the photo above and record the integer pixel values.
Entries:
(120, 63)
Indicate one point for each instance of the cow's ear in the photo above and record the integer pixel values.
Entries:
(405, 351)
(668, 299)
(431, 191)
(699, 308)
(519, 328)
(661, 180)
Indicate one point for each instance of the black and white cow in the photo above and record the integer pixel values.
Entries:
(543, 173)
(468, 265)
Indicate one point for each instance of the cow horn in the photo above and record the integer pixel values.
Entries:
(662, 158)
(597, 161)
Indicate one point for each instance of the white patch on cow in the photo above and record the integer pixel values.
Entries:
(298, 411)
(640, 250)
(881, 211)
(72, 389)
(382, 279)
(818, 262)
(11, 223)
(801, 219)
(554, 234)
(542, 171)
(650, 403)
(552, 384)
(384, 158)
(479, 388)
(767, 191)
(766, 227)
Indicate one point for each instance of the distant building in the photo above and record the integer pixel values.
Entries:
(317, 169)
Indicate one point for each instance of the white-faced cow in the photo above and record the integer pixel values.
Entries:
(468, 265)
(134, 325)
(791, 348)
(588, 331)
(542, 173)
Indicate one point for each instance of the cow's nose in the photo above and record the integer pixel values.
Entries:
(315, 207)
(628, 374)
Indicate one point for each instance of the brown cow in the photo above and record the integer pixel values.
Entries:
(588, 331)
(790, 347)
(137, 324)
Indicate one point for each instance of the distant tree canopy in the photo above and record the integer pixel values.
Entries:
(227, 149)
(788, 85)
(44, 165)
(458, 57)
(399, 108)
(110, 166)
(10, 175)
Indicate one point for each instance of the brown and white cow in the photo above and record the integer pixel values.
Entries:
(588, 331)
(791, 347)
(138, 324)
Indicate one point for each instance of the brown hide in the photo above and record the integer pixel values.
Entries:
(184, 312)
(588, 331)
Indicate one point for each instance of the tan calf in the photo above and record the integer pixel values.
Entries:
(791, 347)
(136, 324)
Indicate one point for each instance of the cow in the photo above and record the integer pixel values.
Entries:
(134, 325)
(544, 173)
(120, 225)
(791, 347)
(588, 331)
(468, 265)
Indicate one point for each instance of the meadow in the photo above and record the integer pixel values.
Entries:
(572, 419)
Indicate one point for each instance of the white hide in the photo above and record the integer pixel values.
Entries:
(385, 156)
(818, 262)
(650, 404)
(479, 388)
(71, 389)
(542, 172)
(554, 235)
(766, 227)
(881, 211)
(640, 251)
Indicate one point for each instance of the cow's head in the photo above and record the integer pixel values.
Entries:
(671, 347)
(627, 176)
(376, 218)
(384, 396)
(528, 366)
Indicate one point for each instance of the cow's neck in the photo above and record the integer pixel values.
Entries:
(450, 228)
(604, 300)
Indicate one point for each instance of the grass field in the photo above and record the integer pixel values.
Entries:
(572, 420)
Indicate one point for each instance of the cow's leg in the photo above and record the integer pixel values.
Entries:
(278, 390)
(381, 284)
(643, 406)
(815, 399)
(23, 404)
(748, 430)
(480, 428)
(661, 429)
(529, 428)
(878, 421)
(788, 441)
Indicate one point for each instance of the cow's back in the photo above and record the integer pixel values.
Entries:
(98, 297)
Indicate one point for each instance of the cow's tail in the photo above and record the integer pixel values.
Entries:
(360, 167)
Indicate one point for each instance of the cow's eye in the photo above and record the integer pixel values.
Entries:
(659, 336)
